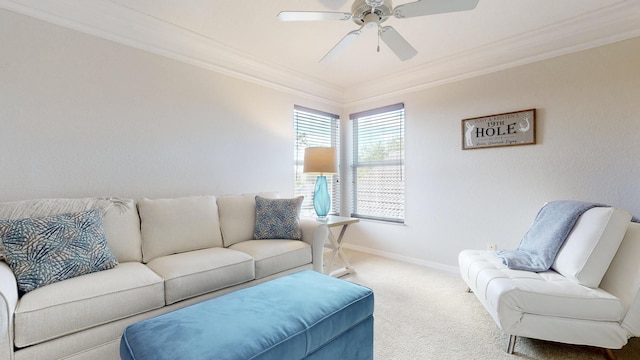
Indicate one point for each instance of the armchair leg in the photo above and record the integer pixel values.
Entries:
(609, 355)
(512, 344)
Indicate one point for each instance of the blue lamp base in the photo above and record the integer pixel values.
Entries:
(321, 199)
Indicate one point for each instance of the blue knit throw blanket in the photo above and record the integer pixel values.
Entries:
(540, 245)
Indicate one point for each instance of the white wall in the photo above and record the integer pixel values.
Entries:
(83, 116)
(588, 148)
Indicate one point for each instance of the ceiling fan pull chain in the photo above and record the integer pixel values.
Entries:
(378, 37)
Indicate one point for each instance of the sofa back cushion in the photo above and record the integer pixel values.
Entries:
(172, 226)
(587, 252)
(238, 216)
(119, 216)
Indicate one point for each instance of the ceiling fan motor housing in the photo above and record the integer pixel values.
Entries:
(364, 12)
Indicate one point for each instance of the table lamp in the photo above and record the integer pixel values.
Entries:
(321, 161)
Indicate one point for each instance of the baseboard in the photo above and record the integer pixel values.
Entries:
(407, 259)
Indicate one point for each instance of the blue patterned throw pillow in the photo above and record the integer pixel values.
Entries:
(278, 218)
(45, 250)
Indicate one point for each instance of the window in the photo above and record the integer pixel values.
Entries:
(315, 128)
(378, 164)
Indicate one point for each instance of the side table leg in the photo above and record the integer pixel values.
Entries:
(333, 245)
(341, 254)
(347, 269)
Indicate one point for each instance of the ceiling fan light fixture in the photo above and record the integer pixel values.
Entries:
(374, 3)
(371, 21)
(361, 9)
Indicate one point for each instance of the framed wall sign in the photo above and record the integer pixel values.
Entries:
(508, 129)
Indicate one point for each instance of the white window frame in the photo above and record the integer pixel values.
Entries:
(315, 128)
(378, 186)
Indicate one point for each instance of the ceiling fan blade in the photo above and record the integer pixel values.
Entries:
(397, 43)
(312, 15)
(341, 46)
(430, 7)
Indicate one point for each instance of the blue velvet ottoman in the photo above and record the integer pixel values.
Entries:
(306, 315)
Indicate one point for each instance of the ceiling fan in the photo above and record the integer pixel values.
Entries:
(370, 14)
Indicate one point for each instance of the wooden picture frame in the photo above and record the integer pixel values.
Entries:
(506, 129)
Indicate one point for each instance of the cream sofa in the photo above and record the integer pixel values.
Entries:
(590, 296)
(171, 253)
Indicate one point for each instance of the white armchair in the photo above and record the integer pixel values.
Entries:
(587, 297)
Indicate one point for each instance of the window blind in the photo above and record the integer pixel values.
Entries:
(315, 128)
(378, 164)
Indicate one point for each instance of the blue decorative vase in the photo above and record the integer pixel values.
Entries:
(321, 199)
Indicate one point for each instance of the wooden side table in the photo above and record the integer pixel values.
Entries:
(336, 245)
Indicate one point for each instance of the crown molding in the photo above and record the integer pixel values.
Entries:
(114, 22)
(117, 23)
(615, 23)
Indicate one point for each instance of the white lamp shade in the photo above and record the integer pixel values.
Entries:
(320, 160)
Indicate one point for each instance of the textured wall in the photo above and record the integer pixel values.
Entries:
(83, 116)
(588, 148)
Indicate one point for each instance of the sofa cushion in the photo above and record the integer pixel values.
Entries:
(171, 226)
(238, 216)
(591, 245)
(278, 218)
(80, 303)
(120, 219)
(199, 272)
(122, 228)
(274, 256)
(45, 250)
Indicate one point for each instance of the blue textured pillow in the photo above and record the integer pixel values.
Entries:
(278, 218)
(45, 250)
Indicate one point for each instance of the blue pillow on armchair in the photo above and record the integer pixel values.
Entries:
(45, 250)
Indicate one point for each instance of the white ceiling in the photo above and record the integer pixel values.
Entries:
(244, 38)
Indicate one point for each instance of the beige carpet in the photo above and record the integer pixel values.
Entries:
(422, 313)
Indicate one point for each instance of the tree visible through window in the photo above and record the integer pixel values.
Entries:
(378, 164)
(315, 128)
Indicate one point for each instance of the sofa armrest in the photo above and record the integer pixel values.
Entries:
(315, 234)
(8, 302)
